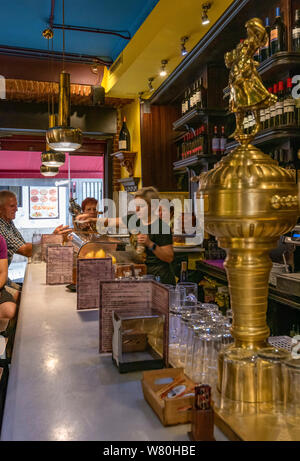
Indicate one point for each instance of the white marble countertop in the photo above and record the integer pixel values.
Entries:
(60, 388)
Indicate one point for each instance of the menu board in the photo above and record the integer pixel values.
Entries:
(50, 240)
(59, 268)
(43, 202)
(89, 274)
(140, 298)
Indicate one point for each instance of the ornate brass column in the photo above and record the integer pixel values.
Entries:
(249, 201)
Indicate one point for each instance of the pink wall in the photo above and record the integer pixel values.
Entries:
(25, 164)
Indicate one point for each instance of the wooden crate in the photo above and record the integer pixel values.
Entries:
(170, 412)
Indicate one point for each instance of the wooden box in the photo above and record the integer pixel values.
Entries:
(169, 411)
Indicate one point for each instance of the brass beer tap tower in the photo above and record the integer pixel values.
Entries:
(249, 202)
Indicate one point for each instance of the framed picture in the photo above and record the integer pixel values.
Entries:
(43, 202)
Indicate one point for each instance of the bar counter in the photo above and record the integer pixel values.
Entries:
(60, 388)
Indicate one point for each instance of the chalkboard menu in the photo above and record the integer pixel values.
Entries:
(89, 274)
(59, 265)
(138, 297)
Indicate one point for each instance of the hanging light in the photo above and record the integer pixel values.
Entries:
(49, 170)
(205, 18)
(163, 71)
(50, 157)
(63, 137)
(183, 40)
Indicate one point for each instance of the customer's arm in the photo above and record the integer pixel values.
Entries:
(25, 250)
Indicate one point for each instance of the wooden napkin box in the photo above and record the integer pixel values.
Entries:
(170, 411)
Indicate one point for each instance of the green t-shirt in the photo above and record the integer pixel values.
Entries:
(160, 233)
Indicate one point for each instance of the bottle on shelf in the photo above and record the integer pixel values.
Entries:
(262, 118)
(192, 97)
(215, 143)
(279, 105)
(277, 34)
(296, 32)
(290, 165)
(203, 94)
(273, 108)
(124, 137)
(268, 113)
(265, 50)
(183, 271)
(184, 104)
(223, 141)
(289, 104)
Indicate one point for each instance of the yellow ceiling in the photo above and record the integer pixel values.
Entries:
(159, 38)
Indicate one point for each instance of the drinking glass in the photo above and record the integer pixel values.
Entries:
(206, 346)
(36, 248)
(292, 388)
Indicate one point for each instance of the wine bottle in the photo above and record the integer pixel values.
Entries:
(183, 271)
(279, 105)
(268, 113)
(277, 34)
(296, 32)
(203, 92)
(289, 105)
(265, 50)
(262, 118)
(183, 105)
(273, 108)
(215, 144)
(222, 141)
(124, 137)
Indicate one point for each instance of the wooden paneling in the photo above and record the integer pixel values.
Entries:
(158, 148)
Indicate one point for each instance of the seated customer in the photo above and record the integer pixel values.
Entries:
(7, 301)
(14, 240)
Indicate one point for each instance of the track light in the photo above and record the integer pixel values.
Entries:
(150, 86)
(183, 40)
(205, 18)
(163, 71)
(141, 100)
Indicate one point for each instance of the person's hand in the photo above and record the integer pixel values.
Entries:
(83, 218)
(62, 230)
(143, 239)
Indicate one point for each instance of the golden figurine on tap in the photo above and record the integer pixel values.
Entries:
(249, 202)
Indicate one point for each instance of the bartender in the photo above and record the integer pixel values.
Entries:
(151, 232)
(14, 240)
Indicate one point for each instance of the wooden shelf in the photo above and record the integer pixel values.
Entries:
(195, 116)
(273, 67)
(282, 61)
(129, 184)
(270, 136)
(194, 160)
(127, 159)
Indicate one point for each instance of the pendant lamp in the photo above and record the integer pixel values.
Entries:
(50, 157)
(64, 138)
(49, 170)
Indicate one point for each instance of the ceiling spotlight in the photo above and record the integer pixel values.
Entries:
(150, 86)
(205, 18)
(163, 71)
(183, 40)
(141, 100)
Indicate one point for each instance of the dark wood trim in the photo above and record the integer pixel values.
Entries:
(108, 171)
